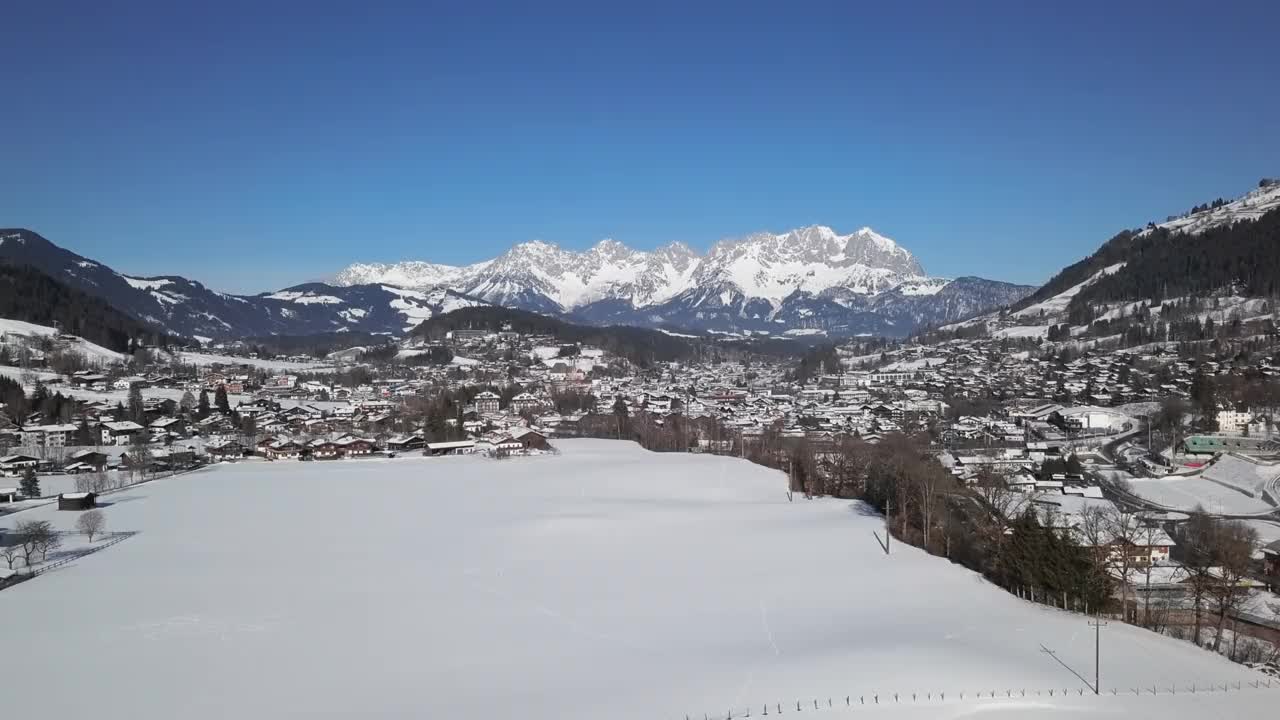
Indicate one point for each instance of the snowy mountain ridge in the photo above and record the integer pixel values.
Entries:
(1250, 206)
(185, 307)
(811, 277)
(761, 265)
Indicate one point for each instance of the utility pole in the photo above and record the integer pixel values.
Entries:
(888, 536)
(1097, 654)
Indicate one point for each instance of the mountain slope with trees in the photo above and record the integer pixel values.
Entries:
(30, 295)
(178, 306)
(1213, 273)
(640, 345)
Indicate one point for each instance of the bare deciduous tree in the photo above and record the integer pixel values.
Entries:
(101, 481)
(1233, 543)
(91, 522)
(139, 454)
(1124, 529)
(1196, 545)
(36, 536)
(10, 553)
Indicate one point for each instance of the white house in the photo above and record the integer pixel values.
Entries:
(1231, 421)
(119, 433)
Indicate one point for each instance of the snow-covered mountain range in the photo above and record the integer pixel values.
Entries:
(185, 307)
(806, 281)
(811, 278)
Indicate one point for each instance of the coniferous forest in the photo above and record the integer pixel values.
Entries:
(31, 296)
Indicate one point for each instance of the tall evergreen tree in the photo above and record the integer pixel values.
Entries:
(202, 409)
(30, 485)
(137, 412)
(220, 400)
(84, 434)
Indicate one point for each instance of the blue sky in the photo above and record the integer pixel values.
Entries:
(252, 147)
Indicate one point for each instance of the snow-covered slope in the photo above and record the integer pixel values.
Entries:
(18, 332)
(1088, 289)
(1052, 308)
(810, 259)
(406, 274)
(1249, 206)
(607, 582)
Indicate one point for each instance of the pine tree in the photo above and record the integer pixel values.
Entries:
(30, 485)
(202, 409)
(1073, 465)
(137, 412)
(84, 434)
(220, 400)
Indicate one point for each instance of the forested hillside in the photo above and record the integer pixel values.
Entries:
(639, 345)
(30, 295)
(1244, 257)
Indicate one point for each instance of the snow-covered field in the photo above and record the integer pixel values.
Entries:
(1022, 331)
(607, 582)
(1185, 493)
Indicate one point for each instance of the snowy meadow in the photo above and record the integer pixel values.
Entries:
(606, 582)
